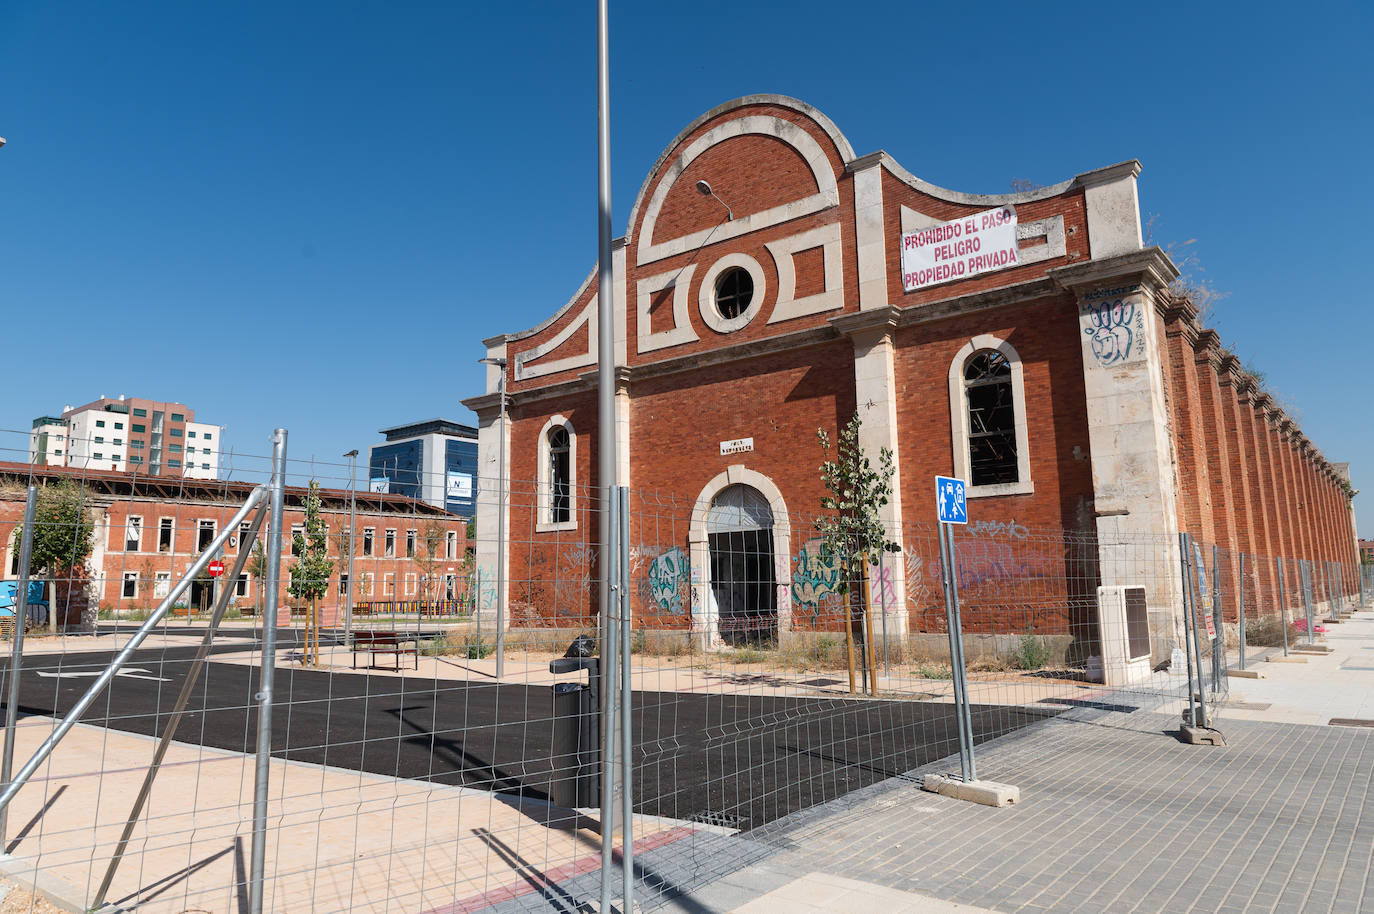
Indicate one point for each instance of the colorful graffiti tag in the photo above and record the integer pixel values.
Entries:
(816, 576)
(668, 580)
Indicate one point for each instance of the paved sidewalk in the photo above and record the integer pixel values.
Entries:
(1116, 816)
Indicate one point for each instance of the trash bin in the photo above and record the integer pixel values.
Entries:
(576, 731)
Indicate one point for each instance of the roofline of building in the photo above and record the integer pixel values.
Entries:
(439, 423)
(113, 485)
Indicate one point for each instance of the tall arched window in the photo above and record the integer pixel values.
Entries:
(988, 418)
(991, 419)
(557, 489)
(560, 479)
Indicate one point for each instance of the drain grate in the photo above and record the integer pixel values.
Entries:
(718, 819)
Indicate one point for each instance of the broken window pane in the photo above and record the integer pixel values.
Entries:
(991, 419)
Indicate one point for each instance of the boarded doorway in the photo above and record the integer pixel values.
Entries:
(739, 528)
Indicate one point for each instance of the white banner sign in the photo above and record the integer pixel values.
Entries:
(459, 485)
(380, 484)
(957, 250)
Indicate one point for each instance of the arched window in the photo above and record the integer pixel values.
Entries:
(560, 480)
(557, 492)
(988, 418)
(991, 419)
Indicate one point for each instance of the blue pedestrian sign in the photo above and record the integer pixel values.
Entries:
(951, 501)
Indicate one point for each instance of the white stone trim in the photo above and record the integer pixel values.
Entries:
(958, 418)
(706, 295)
(1051, 229)
(788, 306)
(792, 134)
(524, 370)
(544, 486)
(870, 235)
(681, 331)
(704, 617)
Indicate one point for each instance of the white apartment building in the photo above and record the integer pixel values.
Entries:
(128, 433)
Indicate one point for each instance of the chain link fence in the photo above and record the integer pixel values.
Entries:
(437, 722)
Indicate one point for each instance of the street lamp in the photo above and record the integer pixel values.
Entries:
(705, 190)
(352, 540)
(500, 527)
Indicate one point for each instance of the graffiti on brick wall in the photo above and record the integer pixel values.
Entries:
(572, 586)
(669, 576)
(884, 584)
(815, 576)
(1116, 330)
(918, 593)
(486, 587)
(983, 562)
(999, 528)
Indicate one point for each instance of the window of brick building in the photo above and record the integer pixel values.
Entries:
(130, 584)
(165, 528)
(205, 534)
(557, 476)
(988, 419)
(133, 534)
(369, 533)
(389, 544)
(734, 292)
(410, 544)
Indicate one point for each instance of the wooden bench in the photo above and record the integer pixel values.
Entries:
(382, 642)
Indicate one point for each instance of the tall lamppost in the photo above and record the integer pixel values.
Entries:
(352, 540)
(500, 527)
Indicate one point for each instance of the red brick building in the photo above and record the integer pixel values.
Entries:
(148, 530)
(772, 281)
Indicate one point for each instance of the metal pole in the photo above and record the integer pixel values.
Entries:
(610, 650)
(627, 856)
(1305, 568)
(1197, 635)
(966, 711)
(174, 719)
(269, 664)
(1186, 567)
(103, 680)
(1283, 607)
(352, 544)
(606, 434)
(501, 542)
(21, 616)
(882, 597)
(947, 583)
(1219, 633)
(1241, 604)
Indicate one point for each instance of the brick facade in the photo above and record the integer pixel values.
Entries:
(193, 510)
(1132, 419)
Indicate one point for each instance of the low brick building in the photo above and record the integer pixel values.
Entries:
(772, 281)
(147, 531)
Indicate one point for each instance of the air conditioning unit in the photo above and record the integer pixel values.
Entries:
(1124, 624)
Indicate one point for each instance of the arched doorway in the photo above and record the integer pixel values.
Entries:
(739, 530)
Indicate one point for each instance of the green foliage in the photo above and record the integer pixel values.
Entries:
(62, 530)
(853, 528)
(1031, 653)
(474, 648)
(310, 573)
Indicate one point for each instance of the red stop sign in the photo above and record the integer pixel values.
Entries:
(216, 568)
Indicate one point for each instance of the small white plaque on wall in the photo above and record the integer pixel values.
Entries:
(737, 446)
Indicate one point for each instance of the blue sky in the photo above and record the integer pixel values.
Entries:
(309, 214)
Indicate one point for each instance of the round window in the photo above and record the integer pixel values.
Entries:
(734, 292)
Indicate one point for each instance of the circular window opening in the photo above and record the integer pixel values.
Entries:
(734, 292)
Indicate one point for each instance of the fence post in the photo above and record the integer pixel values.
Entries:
(1241, 605)
(627, 854)
(956, 654)
(1283, 607)
(1305, 572)
(21, 616)
(1185, 566)
(269, 663)
(610, 651)
(1219, 636)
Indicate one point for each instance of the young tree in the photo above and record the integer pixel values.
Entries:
(852, 528)
(62, 530)
(310, 573)
(428, 558)
(63, 539)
